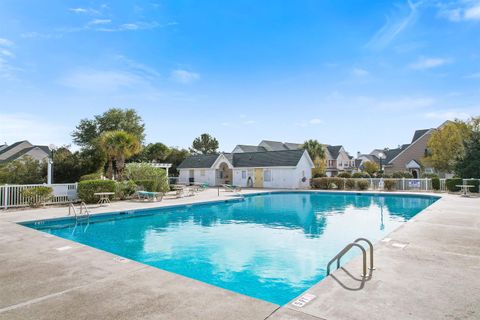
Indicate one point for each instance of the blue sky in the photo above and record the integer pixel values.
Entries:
(364, 74)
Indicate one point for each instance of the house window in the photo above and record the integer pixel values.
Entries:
(244, 174)
(202, 173)
(267, 175)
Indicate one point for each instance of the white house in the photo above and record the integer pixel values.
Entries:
(290, 169)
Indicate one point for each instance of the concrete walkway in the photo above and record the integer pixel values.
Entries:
(427, 269)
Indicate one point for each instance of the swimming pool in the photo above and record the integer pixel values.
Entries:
(269, 246)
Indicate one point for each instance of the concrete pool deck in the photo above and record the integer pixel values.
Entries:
(426, 269)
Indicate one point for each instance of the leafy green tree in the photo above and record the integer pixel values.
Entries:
(205, 144)
(119, 146)
(468, 165)
(153, 152)
(69, 166)
(370, 167)
(115, 119)
(175, 157)
(24, 171)
(445, 145)
(316, 151)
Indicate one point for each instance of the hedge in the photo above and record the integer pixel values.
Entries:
(87, 189)
(451, 184)
(125, 189)
(436, 184)
(350, 184)
(91, 176)
(475, 183)
(362, 185)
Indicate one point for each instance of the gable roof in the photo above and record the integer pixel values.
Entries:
(418, 134)
(249, 148)
(10, 147)
(283, 158)
(22, 152)
(273, 145)
(199, 161)
(334, 151)
(293, 146)
(390, 154)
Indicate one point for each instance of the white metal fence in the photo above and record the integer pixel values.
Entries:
(402, 184)
(11, 195)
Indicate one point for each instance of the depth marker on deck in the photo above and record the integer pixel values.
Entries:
(303, 300)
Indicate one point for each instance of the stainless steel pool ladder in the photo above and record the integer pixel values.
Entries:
(364, 254)
(84, 213)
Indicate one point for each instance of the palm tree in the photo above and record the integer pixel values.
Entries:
(316, 151)
(119, 146)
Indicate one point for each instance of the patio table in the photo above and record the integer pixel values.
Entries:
(464, 188)
(104, 197)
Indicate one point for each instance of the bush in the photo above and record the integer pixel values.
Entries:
(91, 176)
(37, 196)
(318, 173)
(337, 183)
(152, 178)
(360, 175)
(451, 184)
(321, 183)
(436, 184)
(350, 184)
(87, 188)
(389, 184)
(125, 189)
(402, 174)
(344, 175)
(429, 175)
(362, 185)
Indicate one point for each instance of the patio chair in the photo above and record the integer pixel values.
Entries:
(231, 188)
(152, 196)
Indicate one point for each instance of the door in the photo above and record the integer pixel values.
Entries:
(258, 178)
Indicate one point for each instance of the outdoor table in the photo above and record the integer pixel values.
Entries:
(464, 188)
(104, 197)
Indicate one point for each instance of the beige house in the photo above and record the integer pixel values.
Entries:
(21, 149)
(408, 156)
(338, 161)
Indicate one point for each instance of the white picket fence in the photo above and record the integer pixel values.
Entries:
(11, 195)
(402, 184)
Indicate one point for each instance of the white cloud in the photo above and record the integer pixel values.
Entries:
(88, 11)
(99, 21)
(5, 42)
(100, 80)
(184, 76)
(458, 11)
(394, 26)
(359, 72)
(428, 63)
(447, 115)
(315, 121)
(23, 126)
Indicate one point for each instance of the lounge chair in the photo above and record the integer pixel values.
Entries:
(231, 188)
(152, 196)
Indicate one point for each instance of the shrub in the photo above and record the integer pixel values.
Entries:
(436, 184)
(362, 184)
(344, 175)
(429, 175)
(87, 188)
(125, 189)
(350, 184)
(152, 178)
(451, 184)
(37, 196)
(360, 175)
(402, 174)
(321, 183)
(389, 184)
(473, 182)
(318, 175)
(318, 172)
(337, 183)
(91, 176)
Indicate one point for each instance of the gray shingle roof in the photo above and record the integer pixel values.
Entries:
(20, 153)
(284, 158)
(10, 147)
(418, 134)
(334, 151)
(199, 161)
(274, 145)
(248, 148)
(293, 146)
(391, 154)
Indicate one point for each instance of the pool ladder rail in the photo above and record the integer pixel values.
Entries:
(347, 248)
(84, 213)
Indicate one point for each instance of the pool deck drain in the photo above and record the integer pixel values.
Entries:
(427, 270)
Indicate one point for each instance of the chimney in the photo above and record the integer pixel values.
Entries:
(358, 154)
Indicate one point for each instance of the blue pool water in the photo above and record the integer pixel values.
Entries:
(272, 246)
